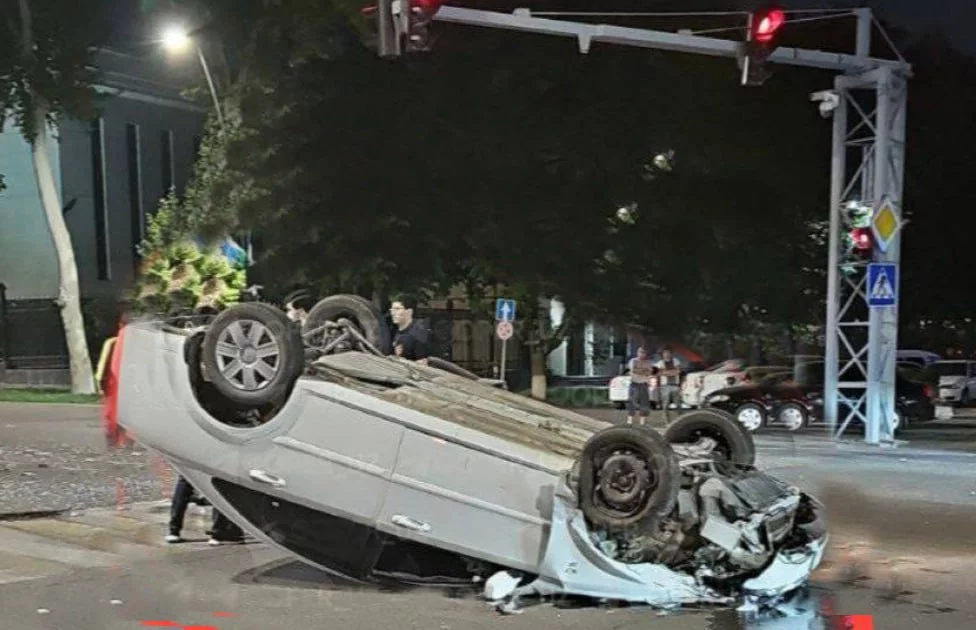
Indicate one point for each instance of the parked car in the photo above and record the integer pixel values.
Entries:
(795, 399)
(957, 380)
(921, 358)
(698, 385)
(618, 391)
(318, 442)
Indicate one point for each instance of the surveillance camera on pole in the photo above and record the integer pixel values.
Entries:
(761, 36)
(829, 100)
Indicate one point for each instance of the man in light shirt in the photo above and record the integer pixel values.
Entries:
(639, 400)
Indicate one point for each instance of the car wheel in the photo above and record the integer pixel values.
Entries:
(627, 476)
(792, 416)
(252, 354)
(750, 416)
(364, 316)
(750, 442)
(964, 398)
(619, 405)
(729, 441)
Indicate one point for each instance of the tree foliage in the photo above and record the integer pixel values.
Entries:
(502, 159)
(58, 76)
(179, 273)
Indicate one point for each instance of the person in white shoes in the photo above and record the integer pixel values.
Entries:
(221, 532)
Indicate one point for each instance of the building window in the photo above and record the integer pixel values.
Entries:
(168, 167)
(134, 158)
(99, 199)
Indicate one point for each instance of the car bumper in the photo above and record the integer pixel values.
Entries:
(573, 565)
(950, 395)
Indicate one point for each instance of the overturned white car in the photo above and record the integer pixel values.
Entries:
(373, 466)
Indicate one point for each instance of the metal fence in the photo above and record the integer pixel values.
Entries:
(31, 334)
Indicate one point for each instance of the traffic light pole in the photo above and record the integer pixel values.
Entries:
(861, 340)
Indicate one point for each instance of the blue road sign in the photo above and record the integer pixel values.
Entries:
(505, 310)
(882, 284)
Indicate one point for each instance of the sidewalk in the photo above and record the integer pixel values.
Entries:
(96, 538)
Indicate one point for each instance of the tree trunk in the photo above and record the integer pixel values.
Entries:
(537, 361)
(69, 294)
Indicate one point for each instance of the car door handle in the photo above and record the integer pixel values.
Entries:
(268, 478)
(408, 523)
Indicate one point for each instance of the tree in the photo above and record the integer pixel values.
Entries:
(179, 274)
(45, 61)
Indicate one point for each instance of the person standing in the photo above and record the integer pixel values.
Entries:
(639, 394)
(411, 340)
(669, 381)
(222, 531)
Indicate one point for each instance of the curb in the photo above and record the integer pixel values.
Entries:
(153, 507)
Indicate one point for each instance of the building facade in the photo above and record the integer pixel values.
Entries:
(110, 174)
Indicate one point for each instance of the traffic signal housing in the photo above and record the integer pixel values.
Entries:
(761, 40)
(402, 25)
(859, 244)
(419, 16)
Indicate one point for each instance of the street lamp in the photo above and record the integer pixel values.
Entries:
(176, 40)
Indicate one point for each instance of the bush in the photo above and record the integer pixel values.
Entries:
(578, 397)
(178, 273)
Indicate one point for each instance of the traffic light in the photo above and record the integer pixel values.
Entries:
(403, 25)
(862, 240)
(859, 244)
(420, 15)
(764, 26)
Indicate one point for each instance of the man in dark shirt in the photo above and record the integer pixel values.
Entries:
(410, 341)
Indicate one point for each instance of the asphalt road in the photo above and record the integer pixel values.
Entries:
(900, 519)
(54, 457)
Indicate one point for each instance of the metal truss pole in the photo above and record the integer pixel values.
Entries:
(889, 163)
(862, 341)
(838, 178)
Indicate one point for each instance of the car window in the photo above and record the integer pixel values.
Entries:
(946, 368)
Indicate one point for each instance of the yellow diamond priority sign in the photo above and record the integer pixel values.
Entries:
(885, 224)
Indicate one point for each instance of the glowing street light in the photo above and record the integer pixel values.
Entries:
(176, 39)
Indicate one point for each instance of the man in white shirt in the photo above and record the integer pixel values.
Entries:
(639, 400)
(669, 381)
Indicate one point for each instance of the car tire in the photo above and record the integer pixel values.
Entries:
(619, 405)
(799, 417)
(750, 424)
(239, 334)
(734, 444)
(749, 440)
(964, 398)
(357, 309)
(639, 459)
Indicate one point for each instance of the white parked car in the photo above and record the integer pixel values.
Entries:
(957, 380)
(373, 466)
(697, 386)
(618, 390)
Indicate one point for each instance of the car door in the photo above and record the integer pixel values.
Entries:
(320, 476)
(459, 489)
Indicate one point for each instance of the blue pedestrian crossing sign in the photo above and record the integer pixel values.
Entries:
(504, 310)
(882, 284)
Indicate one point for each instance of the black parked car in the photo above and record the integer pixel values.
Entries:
(793, 399)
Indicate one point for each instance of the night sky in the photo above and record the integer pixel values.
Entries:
(955, 18)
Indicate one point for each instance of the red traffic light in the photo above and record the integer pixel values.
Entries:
(766, 23)
(863, 240)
